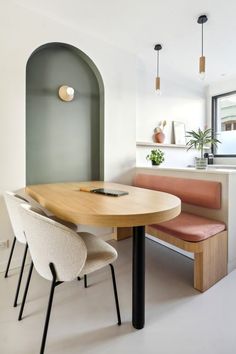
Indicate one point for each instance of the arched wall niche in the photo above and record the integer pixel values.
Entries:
(64, 140)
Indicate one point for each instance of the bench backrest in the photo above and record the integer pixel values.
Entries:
(191, 191)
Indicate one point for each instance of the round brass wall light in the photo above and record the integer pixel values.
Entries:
(66, 93)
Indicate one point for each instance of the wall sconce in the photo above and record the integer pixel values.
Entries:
(158, 47)
(66, 93)
(202, 60)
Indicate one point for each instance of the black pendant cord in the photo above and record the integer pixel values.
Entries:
(158, 47)
(202, 39)
(158, 63)
(202, 20)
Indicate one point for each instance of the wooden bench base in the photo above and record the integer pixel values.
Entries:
(210, 256)
(121, 233)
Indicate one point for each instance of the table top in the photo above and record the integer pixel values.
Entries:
(139, 207)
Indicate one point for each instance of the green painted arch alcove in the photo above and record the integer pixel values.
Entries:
(64, 140)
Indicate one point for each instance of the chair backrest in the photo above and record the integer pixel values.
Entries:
(199, 192)
(12, 202)
(52, 242)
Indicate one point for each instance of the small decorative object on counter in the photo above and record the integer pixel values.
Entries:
(156, 157)
(159, 135)
(179, 133)
(199, 140)
(209, 156)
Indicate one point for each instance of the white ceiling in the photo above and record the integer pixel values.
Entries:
(137, 25)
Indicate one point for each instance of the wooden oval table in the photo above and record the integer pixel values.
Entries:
(139, 208)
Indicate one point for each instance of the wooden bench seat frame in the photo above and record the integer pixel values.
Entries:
(210, 256)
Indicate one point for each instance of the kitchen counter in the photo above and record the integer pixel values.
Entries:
(214, 169)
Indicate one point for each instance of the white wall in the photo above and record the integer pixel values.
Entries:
(181, 100)
(21, 32)
(174, 157)
(216, 88)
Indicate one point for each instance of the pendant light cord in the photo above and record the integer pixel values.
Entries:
(158, 63)
(202, 39)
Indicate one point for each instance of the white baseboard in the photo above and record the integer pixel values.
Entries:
(231, 265)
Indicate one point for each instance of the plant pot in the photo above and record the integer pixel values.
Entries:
(200, 163)
(159, 137)
(154, 163)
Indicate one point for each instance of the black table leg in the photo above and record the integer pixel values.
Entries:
(138, 277)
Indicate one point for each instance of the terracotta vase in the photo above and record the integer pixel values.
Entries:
(160, 137)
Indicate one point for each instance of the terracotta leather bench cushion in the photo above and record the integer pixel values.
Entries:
(192, 191)
(190, 227)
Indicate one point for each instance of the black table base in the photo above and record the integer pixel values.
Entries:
(138, 311)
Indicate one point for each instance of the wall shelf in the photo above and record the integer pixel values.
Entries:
(150, 143)
(143, 143)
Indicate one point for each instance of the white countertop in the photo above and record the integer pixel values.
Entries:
(226, 169)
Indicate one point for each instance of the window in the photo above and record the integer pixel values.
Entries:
(224, 123)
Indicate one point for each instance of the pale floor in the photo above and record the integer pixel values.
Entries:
(179, 320)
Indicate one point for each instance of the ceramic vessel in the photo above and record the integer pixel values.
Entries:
(160, 137)
(200, 164)
(155, 164)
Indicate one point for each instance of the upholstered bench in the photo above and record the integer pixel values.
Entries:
(206, 238)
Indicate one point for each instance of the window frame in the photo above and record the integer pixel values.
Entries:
(214, 119)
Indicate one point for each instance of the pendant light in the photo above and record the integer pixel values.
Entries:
(158, 47)
(202, 60)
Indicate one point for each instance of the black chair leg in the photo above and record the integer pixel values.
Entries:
(26, 291)
(10, 257)
(85, 281)
(115, 294)
(53, 285)
(20, 276)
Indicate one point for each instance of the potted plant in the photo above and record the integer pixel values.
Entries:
(199, 140)
(156, 157)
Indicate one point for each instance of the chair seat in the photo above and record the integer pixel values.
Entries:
(100, 253)
(190, 227)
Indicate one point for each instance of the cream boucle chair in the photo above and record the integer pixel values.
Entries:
(13, 201)
(59, 254)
